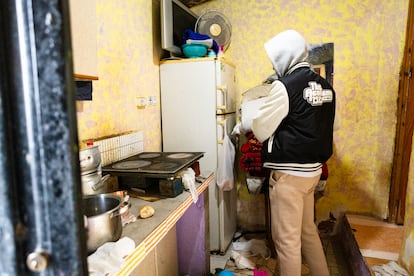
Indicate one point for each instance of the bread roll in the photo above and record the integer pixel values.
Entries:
(146, 211)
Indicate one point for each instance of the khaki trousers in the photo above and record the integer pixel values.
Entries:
(294, 232)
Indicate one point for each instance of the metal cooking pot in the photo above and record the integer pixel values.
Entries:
(103, 219)
(93, 183)
(90, 160)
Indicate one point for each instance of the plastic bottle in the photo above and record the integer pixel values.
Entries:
(220, 51)
(211, 53)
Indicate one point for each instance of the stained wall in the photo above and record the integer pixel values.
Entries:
(367, 57)
(127, 68)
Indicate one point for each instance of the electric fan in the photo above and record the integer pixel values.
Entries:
(215, 25)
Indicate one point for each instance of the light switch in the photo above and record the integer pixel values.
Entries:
(141, 102)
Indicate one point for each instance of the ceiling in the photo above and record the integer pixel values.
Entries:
(192, 3)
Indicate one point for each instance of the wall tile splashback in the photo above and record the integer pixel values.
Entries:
(120, 147)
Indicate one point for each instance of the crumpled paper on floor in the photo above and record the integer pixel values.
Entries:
(243, 251)
(253, 247)
(389, 269)
(108, 259)
(241, 261)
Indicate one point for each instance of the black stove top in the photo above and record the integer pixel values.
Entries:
(154, 164)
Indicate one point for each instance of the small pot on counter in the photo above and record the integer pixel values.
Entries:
(90, 160)
(103, 216)
(93, 183)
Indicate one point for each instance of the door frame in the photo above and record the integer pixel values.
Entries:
(404, 129)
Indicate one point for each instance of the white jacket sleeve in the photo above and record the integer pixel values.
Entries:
(271, 113)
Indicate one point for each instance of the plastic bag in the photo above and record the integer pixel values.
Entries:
(225, 178)
(188, 178)
(253, 247)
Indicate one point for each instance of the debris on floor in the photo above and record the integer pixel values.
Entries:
(252, 247)
(261, 265)
(241, 261)
(245, 252)
(265, 262)
(391, 268)
(249, 255)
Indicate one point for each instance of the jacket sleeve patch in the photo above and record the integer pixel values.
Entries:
(315, 95)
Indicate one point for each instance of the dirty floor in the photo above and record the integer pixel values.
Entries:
(333, 252)
(378, 244)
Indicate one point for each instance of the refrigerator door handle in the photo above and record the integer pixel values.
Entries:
(221, 98)
(220, 131)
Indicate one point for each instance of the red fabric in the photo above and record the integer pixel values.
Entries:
(325, 173)
(252, 144)
(245, 148)
(254, 155)
(249, 135)
(251, 159)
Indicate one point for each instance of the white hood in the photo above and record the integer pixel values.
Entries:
(285, 50)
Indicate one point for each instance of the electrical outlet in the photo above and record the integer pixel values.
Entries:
(152, 100)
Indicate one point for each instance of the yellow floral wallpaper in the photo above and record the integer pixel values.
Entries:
(127, 69)
(367, 56)
(368, 37)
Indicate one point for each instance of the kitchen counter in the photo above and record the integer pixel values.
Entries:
(147, 233)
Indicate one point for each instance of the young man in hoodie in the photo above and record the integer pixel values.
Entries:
(295, 125)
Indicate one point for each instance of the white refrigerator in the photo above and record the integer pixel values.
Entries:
(197, 110)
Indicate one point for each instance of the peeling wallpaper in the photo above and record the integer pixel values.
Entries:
(368, 39)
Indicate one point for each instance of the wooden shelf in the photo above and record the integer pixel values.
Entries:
(84, 38)
(85, 77)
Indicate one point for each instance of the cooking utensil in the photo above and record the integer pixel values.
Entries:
(101, 185)
(93, 183)
(103, 219)
(90, 160)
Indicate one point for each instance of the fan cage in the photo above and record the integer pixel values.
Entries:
(211, 14)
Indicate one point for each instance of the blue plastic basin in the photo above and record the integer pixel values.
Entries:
(194, 50)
